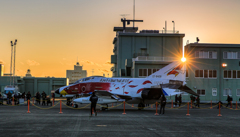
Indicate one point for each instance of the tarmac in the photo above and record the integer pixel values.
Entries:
(47, 121)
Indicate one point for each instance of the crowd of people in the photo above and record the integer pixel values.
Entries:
(178, 100)
(45, 99)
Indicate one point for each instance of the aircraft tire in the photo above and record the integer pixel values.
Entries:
(75, 106)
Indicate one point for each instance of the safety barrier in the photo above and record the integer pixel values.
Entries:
(45, 108)
(188, 110)
(124, 108)
(109, 107)
(28, 106)
(76, 108)
(183, 105)
(219, 105)
(176, 107)
(156, 109)
(140, 107)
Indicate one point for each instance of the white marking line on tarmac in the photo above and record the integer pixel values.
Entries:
(101, 125)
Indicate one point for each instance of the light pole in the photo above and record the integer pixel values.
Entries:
(173, 26)
(13, 56)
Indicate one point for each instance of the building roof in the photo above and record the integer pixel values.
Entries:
(152, 34)
(213, 45)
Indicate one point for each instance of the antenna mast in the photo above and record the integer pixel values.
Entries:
(133, 11)
(92, 71)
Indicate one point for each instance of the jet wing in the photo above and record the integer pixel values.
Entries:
(180, 87)
(188, 90)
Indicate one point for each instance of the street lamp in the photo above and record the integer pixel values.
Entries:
(173, 26)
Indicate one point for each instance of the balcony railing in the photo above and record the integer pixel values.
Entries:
(139, 54)
(153, 58)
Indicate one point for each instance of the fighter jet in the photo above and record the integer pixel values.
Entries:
(132, 90)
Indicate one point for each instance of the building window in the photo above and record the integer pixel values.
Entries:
(206, 73)
(234, 73)
(149, 72)
(231, 55)
(140, 72)
(214, 73)
(238, 92)
(227, 91)
(201, 92)
(146, 72)
(154, 70)
(196, 73)
(227, 74)
(214, 91)
(206, 54)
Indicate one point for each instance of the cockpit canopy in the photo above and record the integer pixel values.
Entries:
(86, 79)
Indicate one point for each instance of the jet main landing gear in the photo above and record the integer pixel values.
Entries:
(75, 105)
(105, 108)
(141, 106)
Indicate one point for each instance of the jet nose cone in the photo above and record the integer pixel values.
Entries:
(57, 91)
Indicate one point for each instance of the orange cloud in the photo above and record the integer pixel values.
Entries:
(2, 62)
(103, 70)
(90, 63)
(107, 63)
(32, 63)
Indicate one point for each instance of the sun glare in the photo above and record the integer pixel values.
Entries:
(183, 59)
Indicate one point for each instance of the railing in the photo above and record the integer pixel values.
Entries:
(155, 32)
(152, 58)
(139, 54)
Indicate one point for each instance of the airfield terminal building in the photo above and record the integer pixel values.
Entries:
(213, 70)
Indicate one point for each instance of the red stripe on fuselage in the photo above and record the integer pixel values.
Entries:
(147, 81)
(132, 86)
(139, 90)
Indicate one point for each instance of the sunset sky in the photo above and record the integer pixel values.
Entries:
(52, 34)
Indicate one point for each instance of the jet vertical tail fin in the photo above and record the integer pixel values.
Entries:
(174, 71)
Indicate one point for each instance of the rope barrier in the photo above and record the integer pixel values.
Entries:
(176, 107)
(140, 107)
(230, 108)
(76, 108)
(44, 108)
(206, 107)
(110, 107)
